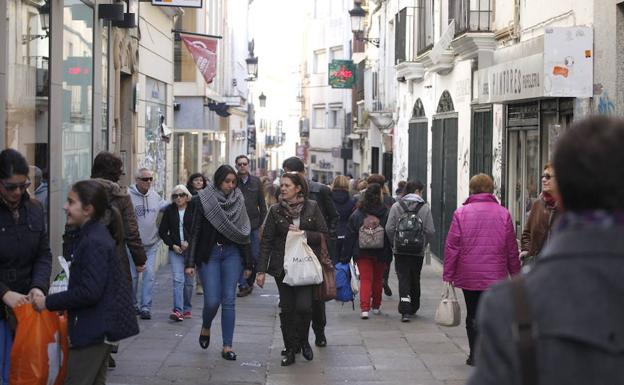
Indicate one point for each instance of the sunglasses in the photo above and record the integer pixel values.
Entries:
(175, 196)
(149, 179)
(547, 176)
(14, 186)
(242, 164)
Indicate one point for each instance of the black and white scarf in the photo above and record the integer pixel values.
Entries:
(227, 214)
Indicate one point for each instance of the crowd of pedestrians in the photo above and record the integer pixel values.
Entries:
(232, 230)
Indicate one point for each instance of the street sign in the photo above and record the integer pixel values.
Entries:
(341, 74)
(178, 3)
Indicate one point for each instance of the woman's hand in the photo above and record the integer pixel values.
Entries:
(39, 303)
(246, 273)
(292, 227)
(190, 271)
(177, 249)
(260, 280)
(184, 245)
(14, 299)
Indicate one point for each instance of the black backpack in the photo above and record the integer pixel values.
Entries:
(409, 237)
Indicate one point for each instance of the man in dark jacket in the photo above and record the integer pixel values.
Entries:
(563, 322)
(322, 195)
(253, 191)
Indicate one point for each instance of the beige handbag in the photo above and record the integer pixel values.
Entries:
(448, 312)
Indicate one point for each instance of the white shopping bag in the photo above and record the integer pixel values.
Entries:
(448, 312)
(301, 266)
(355, 278)
(62, 279)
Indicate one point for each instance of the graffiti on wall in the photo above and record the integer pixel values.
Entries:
(605, 105)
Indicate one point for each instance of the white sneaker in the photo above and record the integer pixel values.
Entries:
(364, 315)
(376, 311)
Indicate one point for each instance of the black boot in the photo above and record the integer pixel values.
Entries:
(471, 331)
(290, 338)
(303, 333)
(306, 351)
(289, 358)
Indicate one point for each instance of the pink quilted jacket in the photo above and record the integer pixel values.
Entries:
(481, 246)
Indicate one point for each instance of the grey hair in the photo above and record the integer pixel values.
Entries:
(140, 171)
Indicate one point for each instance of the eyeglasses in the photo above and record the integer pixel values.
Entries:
(175, 196)
(14, 186)
(241, 164)
(547, 176)
(148, 179)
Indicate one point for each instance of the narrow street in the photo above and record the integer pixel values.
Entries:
(381, 350)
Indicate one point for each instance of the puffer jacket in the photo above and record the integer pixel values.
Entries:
(481, 246)
(273, 241)
(345, 205)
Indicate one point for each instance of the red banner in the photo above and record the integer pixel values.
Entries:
(204, 52)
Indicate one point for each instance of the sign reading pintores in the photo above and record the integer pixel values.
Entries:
(519, 79)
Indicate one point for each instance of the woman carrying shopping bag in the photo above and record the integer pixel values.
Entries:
(481, 248)
(294, 213)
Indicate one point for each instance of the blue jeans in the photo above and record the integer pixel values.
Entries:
(243, 283)
(219, 276)
(148, 278)
(182, 283)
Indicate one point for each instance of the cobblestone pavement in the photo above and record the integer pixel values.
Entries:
(380, 350)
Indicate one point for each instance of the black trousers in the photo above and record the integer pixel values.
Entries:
(296, 313)
(408, 270)
(319, 319)
(472, 303)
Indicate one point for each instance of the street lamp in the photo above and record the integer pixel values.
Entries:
(44, 13)
(262, 99)
(252, 66)
(358, 16)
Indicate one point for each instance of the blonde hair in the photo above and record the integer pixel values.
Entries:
(481, 183)
(341, 182)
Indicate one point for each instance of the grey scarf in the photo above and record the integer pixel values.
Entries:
(227, 214)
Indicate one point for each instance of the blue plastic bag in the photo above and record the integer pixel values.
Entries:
(6, 344)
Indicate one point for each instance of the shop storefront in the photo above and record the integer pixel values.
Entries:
(54, 82)
(539, 87)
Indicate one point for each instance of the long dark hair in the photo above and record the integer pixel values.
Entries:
(222, 172)
(12, 163)
(108, 166)
(91, 192)
(189, 182)
(371, 199)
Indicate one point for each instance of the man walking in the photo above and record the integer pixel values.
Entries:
(322, 195)
(253, 191)
(147, 204)
(563, 322)
(414, 215)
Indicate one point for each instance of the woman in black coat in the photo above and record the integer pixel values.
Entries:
(345, 204)
(175, 231)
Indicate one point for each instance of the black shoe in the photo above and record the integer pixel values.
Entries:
(145, 314)
(111, 362)
(244, 292)
(230, 356)
(321, 341)
(297, 351)
(306, 352)
(387, 290)
(470, 361)
(405, 318)
(204, 341)
(289, 358)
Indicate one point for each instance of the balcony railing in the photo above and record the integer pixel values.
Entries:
(471, 15)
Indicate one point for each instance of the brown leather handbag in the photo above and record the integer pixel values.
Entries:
(326, 291)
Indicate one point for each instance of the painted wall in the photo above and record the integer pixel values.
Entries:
(608, 50)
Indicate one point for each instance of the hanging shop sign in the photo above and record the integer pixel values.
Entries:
(203, 48)
(178, 3)
(341, 74)
(564, 69)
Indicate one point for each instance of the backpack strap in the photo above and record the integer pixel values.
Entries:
(523, 332)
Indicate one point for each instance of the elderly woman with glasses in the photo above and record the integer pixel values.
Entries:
(544, 212)
(25, 258)
(174, 230)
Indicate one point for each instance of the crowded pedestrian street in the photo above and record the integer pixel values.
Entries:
(378, 351)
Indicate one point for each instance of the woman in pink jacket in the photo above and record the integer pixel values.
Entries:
(481, 249)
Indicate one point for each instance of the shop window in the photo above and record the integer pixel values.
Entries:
(185, 156)
(28, 89)
(77, 113)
